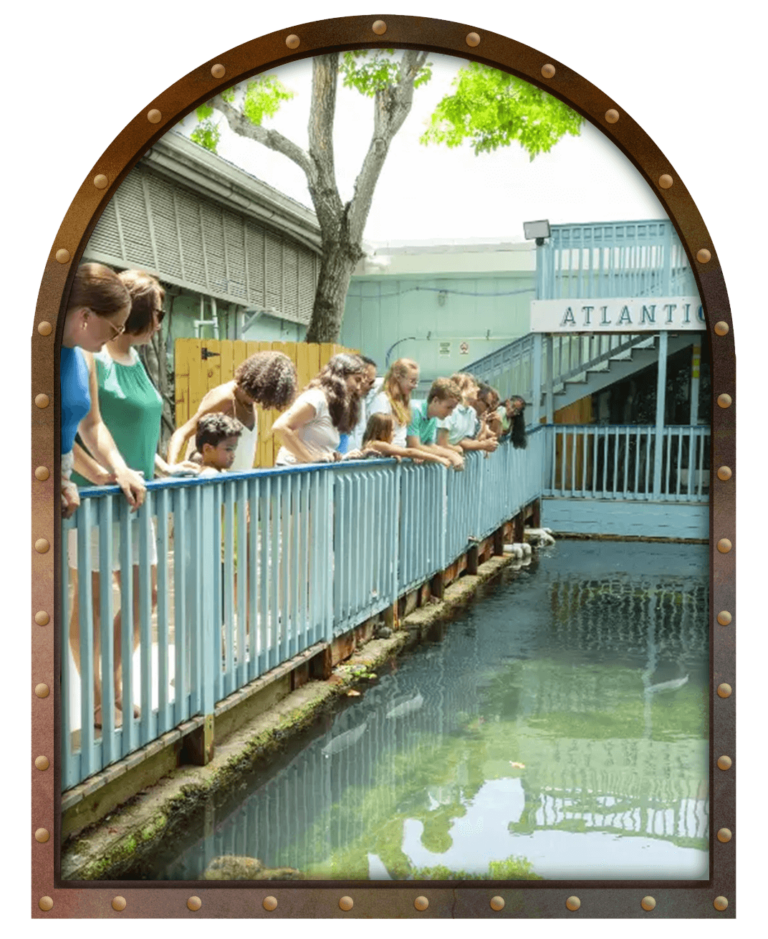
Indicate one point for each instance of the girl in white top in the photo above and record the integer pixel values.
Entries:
(395, 397)
(328, 407)
(267, 379)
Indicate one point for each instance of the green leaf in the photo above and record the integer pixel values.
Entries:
(489, 109)
(372, 70)
(263, 98)
(206, 134)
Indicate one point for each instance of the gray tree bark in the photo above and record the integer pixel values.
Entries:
(341, 224)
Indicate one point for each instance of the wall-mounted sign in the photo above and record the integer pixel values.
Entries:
(463, 348)
(617, 315)
(443, 348)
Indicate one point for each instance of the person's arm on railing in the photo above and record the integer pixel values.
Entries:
(415, 443)
(410, 453)
(86, 466)
(97, 438)
(288, 426)
(443, 435)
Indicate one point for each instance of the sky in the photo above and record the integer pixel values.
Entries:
(432, 192)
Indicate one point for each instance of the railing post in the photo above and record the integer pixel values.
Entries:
(661, 390)
(550, 380)
(536, 378)
(695, 369)
(200, 744)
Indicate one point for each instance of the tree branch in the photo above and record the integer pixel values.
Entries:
(273, 139)
(325, 76)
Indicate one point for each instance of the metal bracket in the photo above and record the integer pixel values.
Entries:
(206, 353)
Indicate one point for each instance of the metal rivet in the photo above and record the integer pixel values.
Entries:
(648, 903)
(41, 546)
(724, 546)
(194, 903)
(720, 904)
(724, 835)
(119, 904)
(722, 328)
(218, 70)
(100, 181)
(44, 328)
(45, 904)
(42, 473)
(42, 401)
(724, 690)
(473, 39)
(724, 472)
(154, 116)
(548, 70)
(724, 618)
(421, 903)
(42, 835)
(346, 903)
(379, 27)
(42, 690)
(41, 762)
(573, 903)
(62, 256)
(497, 903)
(724, 401)
(612, 115)
(703, 255)
(42, 618)
(666, 181)
(292, 41)
(724, 762)
(269, 904)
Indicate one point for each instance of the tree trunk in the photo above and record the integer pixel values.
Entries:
(330, 295)
(154, 357)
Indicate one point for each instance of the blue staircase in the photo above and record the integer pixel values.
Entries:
(595, 260)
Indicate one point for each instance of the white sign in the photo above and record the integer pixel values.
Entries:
(443, 348)
(464, 348)
(617, 315)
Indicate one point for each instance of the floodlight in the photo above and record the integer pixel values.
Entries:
(538, 230)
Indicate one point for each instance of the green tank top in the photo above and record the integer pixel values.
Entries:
(131, 407)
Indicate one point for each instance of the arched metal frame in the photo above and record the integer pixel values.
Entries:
(545, 898)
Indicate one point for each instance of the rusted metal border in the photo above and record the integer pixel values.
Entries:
(614, 899)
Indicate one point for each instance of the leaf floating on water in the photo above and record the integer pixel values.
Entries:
(353, 694)
(516, 765)
(372, 677)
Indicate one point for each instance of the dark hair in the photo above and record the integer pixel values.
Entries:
(213, 428)
(517, 433)
(379, 427)
(487, 395)
(444, 389)
(99, 289)
(364, 358)
(343, 406)
(147, 295)
(269, 378)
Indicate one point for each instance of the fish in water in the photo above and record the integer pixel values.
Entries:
(667, 685)
(406, 707)
(343, 741)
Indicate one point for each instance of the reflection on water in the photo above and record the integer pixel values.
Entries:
(559, 728)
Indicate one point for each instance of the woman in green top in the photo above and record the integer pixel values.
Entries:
(131, 408)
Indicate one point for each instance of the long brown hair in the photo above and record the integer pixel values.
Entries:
(401, 405)
(379, 427)
(343, 405)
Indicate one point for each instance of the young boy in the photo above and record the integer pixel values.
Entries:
(443, 397)
(216, 439)
(459, 431)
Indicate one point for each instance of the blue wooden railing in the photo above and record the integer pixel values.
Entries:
(254, 568)
(624, 462)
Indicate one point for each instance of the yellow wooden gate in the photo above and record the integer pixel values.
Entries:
(202, 364)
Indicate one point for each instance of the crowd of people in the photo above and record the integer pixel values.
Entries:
(111, 416)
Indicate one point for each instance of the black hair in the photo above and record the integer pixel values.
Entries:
(213, 428)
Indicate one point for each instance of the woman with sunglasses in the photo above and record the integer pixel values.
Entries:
(99, 306)
(131, 408)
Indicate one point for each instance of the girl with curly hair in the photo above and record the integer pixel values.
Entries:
(328, 406)
(267, 379)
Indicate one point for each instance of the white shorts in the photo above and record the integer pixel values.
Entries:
(72, 546)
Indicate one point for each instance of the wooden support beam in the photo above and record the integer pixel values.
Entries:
(536, 514)
(498, 541)
(437, 585)
(199, 746)
(473, 559)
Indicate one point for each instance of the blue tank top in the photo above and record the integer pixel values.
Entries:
(75, 394)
